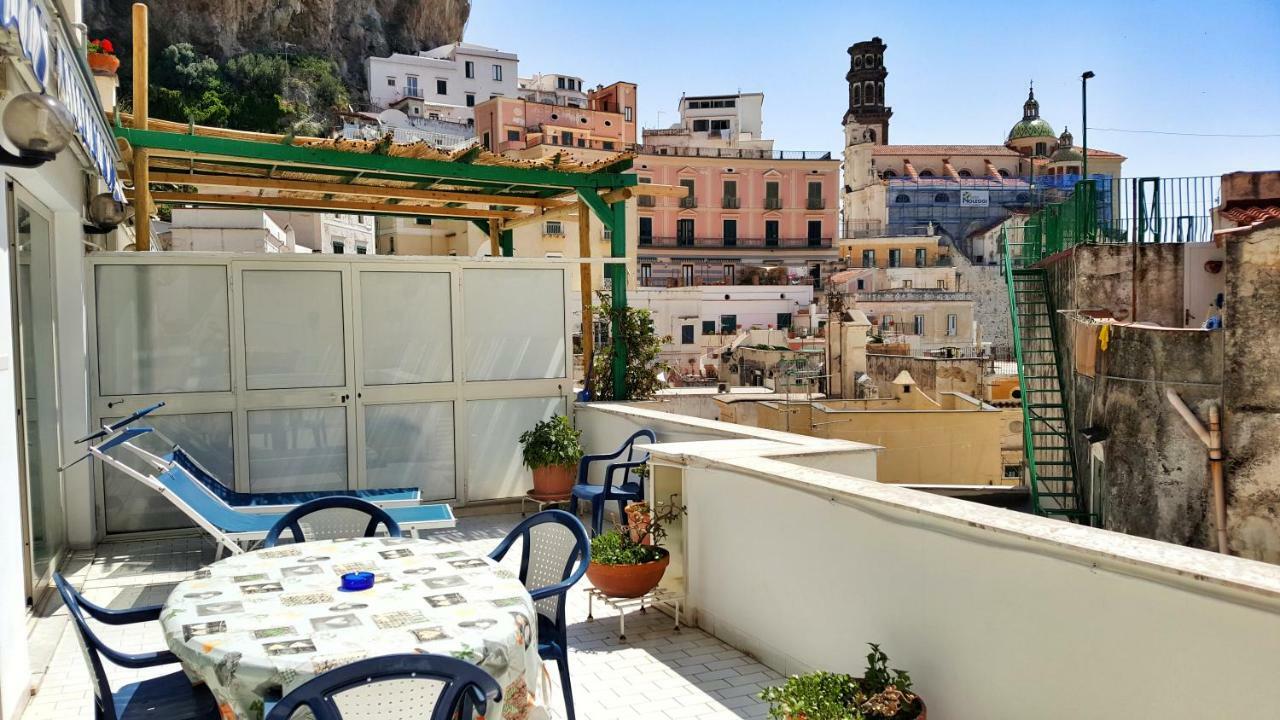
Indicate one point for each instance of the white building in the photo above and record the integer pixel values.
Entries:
(554, 89)
(715, 121)
(226, 230)
(335, 233)
(433, 128)
(458, 74)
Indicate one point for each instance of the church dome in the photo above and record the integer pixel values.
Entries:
(1031, 125)
(1066, 152)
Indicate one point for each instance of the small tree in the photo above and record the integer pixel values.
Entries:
(643, 347)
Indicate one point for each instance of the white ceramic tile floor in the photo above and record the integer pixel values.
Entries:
(658, 673)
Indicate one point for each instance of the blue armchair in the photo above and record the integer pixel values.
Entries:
(554, 555)
(624, 489)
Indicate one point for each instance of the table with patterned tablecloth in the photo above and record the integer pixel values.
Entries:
(262, 623)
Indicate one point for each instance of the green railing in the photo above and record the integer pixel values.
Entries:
(1060, 226)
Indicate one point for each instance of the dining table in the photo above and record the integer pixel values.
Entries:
(254, 626)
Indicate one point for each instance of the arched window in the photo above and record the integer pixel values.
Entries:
(1004, 173)
(941, 198)
(857, 94)
(889, 174)
(871, 134)
(1042, 149)
(966, 174)
(902, 198)
(926, 173)
(869, 92)
(880, 92)
(869, 60)
(1022, 198)
(857, 62)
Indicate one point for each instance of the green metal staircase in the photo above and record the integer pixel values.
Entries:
(1046, 426)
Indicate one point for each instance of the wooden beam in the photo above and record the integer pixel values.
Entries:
(141, 160)
(585, 270)
(674, 191)
(321, 205)
(262, 183)
(495, 237)
(551, 213)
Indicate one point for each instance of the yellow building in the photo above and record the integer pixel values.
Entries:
(956, 440)
(894, 252)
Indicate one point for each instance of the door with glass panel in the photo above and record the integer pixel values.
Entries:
(31, 253)
(295, 366)
(407, 382)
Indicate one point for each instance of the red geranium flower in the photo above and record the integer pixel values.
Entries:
(106, 46)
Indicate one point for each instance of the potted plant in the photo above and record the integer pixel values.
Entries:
(552, 450)
(630, 564)
(102, 57)
(880, 694)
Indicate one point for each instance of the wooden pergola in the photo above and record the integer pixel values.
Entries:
(220, 167)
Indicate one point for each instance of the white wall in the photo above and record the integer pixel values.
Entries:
(996, 614)
(429, 69)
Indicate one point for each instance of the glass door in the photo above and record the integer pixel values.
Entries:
(296, 369)
(31, 250)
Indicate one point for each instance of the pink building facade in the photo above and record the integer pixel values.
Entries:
(746, 209)
(608, 122)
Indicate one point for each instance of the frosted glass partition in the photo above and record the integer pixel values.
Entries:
(293, 329)
(514, 324)
(494, 466)
(407, 333)
(298, 449)
(132, 506)
(162, 329)
(410, 445)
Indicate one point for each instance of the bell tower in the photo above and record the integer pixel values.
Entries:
(866, 125)
(866, 93)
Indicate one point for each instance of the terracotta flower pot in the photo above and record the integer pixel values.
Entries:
(104, 64)
(628, 581)
(638, 520)
(924, 711)
(553, 482)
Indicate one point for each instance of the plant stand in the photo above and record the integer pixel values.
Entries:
(542, 503)
(657, 597)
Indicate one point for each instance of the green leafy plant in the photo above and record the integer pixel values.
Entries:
(880, 694)
(643, 345)
(621, 546)
(552, 442)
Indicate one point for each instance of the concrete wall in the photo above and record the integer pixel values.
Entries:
(1251, 393)
(986, 285)
(955, 444)
(932, 375)
(995, 614)
(1100, 277)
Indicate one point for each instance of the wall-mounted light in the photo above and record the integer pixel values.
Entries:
(38, 126)
(105, 214)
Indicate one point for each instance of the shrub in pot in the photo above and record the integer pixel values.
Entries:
(102, 57)
(629, 562)
(552, 450)
(880, 694)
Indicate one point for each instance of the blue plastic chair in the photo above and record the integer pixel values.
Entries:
(625, 490)
(168, 697)
(332, 517)
(554, 556)
(449, 687)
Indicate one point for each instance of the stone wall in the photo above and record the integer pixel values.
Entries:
(1156, 470)
(932, 375)
(1251, 392)
(986, 285)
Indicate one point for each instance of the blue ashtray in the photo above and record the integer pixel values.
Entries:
(356, 581)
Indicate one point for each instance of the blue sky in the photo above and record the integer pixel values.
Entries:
(958, 72)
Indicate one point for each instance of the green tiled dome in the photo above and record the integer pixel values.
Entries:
(1031, 128)
(1066, 154)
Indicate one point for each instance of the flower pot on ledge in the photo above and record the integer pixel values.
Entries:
(103, 63)
(553, 482)
(628, 581)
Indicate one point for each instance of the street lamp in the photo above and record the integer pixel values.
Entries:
(38, 126)
(1084, 118)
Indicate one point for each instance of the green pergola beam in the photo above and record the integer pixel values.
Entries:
(326, 157)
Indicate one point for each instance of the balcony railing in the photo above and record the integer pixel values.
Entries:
(735, 153)
(411, 91)
(738, 242)
(773, 203)
(689, 202)
(729, 202)
(815, 203)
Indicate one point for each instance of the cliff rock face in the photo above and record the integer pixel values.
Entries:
(346, 31)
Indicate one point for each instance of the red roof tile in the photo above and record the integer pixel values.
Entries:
(1252, 214)
(930, 150)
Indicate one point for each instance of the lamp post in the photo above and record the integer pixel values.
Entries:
(1084, 118)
